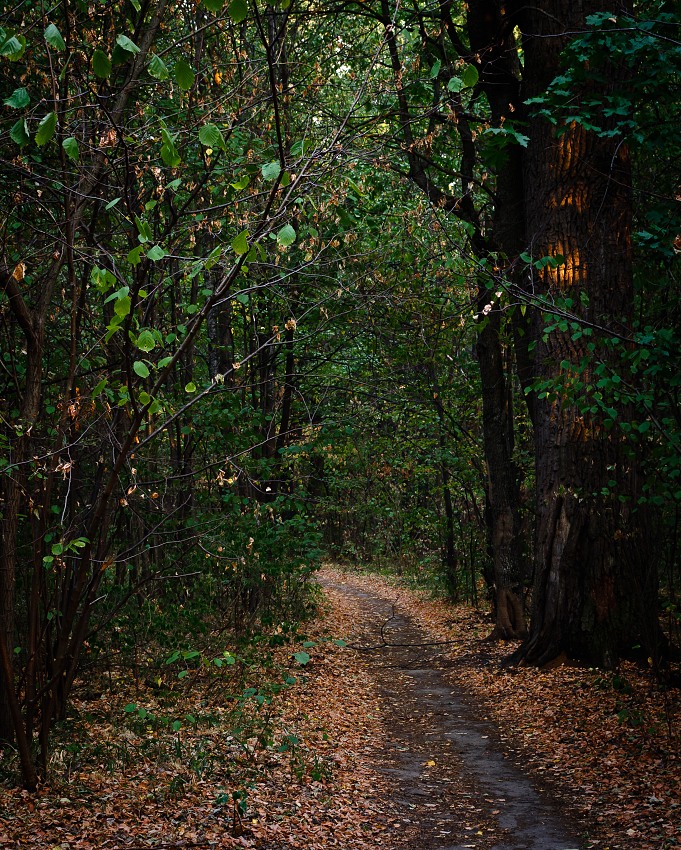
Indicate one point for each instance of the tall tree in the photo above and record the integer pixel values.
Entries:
(595, 594)
(469, 61)
(548, 210)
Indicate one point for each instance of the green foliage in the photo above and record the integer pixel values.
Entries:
(286, 236)
(46, 129)
(211, 136)
(238, 10)
(101, 64)
(184, 75)
(642, 42)
(53, 38)
(18, 99)
(271, 170)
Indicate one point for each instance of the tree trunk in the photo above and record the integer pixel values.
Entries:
(502, 481)
(595, 582)
(450, 559)
(493, 41)
(32, 324)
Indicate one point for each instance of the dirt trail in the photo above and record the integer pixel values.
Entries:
(455, 788)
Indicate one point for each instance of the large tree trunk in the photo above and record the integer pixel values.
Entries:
(492, 40)
(595, 582)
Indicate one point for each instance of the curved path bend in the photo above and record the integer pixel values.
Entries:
(455, 787)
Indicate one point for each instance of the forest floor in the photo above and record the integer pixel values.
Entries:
(410, 737)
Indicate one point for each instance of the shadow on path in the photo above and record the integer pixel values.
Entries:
(457, 790)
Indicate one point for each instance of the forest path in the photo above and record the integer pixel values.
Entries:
(455, 788)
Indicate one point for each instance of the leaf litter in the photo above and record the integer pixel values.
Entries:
(307, 767)
(605, 745)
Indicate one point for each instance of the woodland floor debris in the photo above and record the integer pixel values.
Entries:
(454, 784)
(607, 747)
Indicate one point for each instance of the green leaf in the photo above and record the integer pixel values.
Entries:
(184, 75)
(12, 48)
(19, 133)
(71, 148)
(156, 253)
(238, 10)
(127, 44)
(18, 99)
(157, 68)
(212, 259)
(46, 129)
(146, 341)
(140, 369)
(455, 84)
(169, 153)
(190, 388)
(271, 170)
(122, 306)
(135, 256)
(98, 389)
(435, 70)
(112, 328)
(101, 64)
(53, 38)
(301, 657)
(211, 136)
(170, 156)
(470, 76)
(240, 243)
(286, 236)
(241, 183)
(214, 5)
(144, 230)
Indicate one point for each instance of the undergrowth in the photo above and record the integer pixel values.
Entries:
(178, 692)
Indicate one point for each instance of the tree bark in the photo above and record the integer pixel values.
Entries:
(493, 42)
(595, 582)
